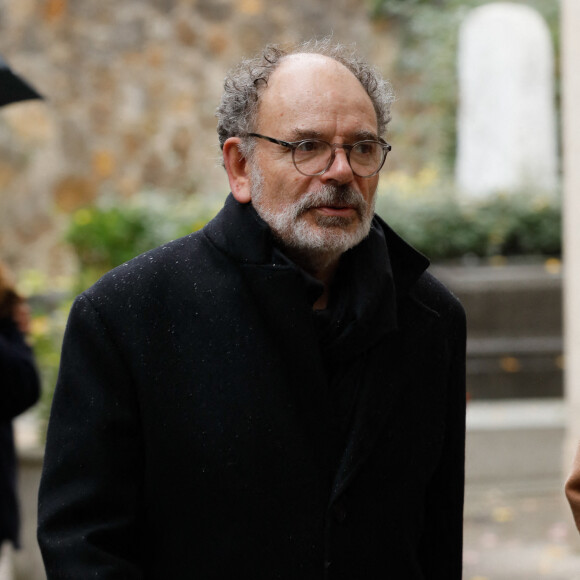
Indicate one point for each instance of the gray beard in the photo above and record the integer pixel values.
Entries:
(328, 238)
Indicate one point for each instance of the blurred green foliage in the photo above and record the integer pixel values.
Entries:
(50, 302)
(48, 325)
(424, 208)
(427, 211)
(111, 232)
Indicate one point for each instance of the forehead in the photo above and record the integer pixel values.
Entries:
(314, 93)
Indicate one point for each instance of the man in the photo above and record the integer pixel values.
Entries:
(280, 395)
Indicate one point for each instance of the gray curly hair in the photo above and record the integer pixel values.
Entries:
(238, 110)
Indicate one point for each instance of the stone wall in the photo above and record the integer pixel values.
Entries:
(131, 90)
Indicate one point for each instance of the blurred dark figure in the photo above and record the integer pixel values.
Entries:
(14, 88)
(573, 489)
(19, 390)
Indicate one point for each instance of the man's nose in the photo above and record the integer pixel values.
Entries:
(339, 171)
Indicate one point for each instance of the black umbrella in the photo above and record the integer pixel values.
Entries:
(13, 88)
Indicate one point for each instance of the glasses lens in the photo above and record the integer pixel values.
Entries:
(366, 158)
(311, 157)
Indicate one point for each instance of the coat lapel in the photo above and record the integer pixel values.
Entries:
(376, 403)
(281, 297)
(280, 294)
(396, 374)
(378, 397)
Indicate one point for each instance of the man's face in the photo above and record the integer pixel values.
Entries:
(310, 96)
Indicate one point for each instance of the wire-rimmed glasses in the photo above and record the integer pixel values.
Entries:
(314, 156)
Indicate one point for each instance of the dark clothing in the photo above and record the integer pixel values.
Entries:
(208, 424)
(19, 389)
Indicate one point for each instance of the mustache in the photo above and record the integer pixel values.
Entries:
(331, 196)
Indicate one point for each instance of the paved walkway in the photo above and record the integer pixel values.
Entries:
(6, 562)
(518, 525)
(519, 535)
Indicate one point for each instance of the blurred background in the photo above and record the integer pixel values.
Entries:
(122, 155)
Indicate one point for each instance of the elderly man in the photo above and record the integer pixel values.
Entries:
(280, 395)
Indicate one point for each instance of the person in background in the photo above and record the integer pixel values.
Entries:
(19, 390)
(280, 395)
(573, 489)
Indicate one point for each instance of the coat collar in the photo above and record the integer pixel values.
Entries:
(370, 280)
(239, 232)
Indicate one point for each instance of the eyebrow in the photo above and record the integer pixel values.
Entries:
(366, 136)
(301, 134)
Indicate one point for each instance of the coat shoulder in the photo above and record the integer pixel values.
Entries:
(434, 295)
(172, 264)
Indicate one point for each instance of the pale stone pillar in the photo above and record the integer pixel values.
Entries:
(506, 126)
(570, 17)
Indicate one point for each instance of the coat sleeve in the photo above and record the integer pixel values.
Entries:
(91, 489)
(573, 489)
(19, 382)
(442, 542)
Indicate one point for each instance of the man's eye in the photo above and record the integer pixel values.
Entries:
(364, 148)
(309, 147)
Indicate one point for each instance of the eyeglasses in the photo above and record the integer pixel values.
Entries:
(314, 156)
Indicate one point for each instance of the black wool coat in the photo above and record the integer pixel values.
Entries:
(192, 433)
(19, 390)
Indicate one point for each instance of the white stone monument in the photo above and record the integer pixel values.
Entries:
(506, 118)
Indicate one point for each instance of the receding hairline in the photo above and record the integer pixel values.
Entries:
(306, 57)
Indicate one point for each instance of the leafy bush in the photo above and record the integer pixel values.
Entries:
(425, 209)
(111, 232)
(429, 213)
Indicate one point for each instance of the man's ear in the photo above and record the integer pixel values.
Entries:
(237, 170)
